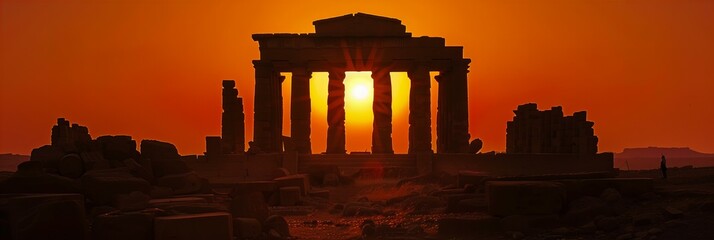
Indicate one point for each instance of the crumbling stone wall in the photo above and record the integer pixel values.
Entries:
(534, 131)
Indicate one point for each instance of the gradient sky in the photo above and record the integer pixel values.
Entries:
(643, 69)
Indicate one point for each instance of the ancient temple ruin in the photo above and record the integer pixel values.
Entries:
(548, 131)
(361, 42)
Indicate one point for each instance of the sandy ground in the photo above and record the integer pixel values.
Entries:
(688, 190)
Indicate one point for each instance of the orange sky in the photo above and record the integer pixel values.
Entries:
(644, 70)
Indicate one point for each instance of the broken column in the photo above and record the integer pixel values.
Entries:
(382, 108)
(300, 110)
(419, 111)
(233, 120)
(74, 138)
(336, 113)
(548, 131)
(268, 107)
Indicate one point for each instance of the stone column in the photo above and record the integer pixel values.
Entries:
(382, 107)
(453, 111)
(300, 110)
(336, 113)
(419, 110)
(233, 120)
(268, 108)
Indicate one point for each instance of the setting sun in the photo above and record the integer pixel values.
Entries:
(360, 92)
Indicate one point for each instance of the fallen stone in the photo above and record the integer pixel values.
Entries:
(672, 212)
(154, 149)
(134, 225)
(162, 202)
(289, 196)
(247, 228)
(249, 205)
(138, 170)
(471, 177)
(185, 183)
(584, 210)
(103, 186)
(43, 216)
(524, 197)
(27, 180)
(94, 161)
(610, 195)
(133, 201)
(214, 226)
(117, 148)
(647, 218)
(71, 166)
(610, 223)
(48, 155)
(278, 224)
(423, 204)
(297, 180)
(322, 193)
(280, 172)
(195, 208)
(167, 167)
(331, 179)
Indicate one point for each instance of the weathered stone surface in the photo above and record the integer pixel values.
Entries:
(280, 172)
(132, 202)
(182, 183)
(139, 170)
(134, 225)
(534, 131)
(30, 179)
(154, 149)
(94, 161)
(471, 177)
(475, 146)
(584, 210)
(524, 197)
(322, 193)
(49, 155)
(43, 216)
(232, 139)
(278, 224)
(117, 148)
(336, 113)
(215, 226)
(103, 186)
(249, 205)
(247, 228)
(289, 196)
(297, 180)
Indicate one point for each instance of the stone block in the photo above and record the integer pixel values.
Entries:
(71, 166)
(632, 187)
(524, 197)
(297, 180)
(103, 186)
(249, 205)
(185, 183)
(135, 226)
(214, 226)
(277, 224)
(471, 177)
(322, 193)
(289, 196)
(163, 202)
(42, 216)
(153, 149)
(132, 202)
(247, 228)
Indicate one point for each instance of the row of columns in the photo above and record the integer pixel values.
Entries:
(452, 116)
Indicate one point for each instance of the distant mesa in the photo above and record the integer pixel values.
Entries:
(656, 152)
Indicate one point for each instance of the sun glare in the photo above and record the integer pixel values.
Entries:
(360, 92)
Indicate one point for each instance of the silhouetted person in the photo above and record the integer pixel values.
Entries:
(663, 167)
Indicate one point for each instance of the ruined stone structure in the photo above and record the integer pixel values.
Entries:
(361, 42)
(534, 131)
(233, 120)
(232, 140)
(74, 138)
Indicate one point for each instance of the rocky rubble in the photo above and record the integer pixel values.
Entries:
(103, 188)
